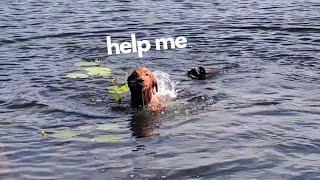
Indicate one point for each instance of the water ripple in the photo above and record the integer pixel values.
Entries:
(258, 117)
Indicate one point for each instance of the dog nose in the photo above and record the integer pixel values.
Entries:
(140, 80)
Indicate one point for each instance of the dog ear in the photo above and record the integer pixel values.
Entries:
(154, 83)
(131, 79)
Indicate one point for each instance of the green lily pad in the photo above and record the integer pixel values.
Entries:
(77, 75)
(87, 64)
(118, 90)
(82, 139)
(106, 138)
(86, 128)
(107, 127)
(121, 88)
(65, 134)
(98, 71)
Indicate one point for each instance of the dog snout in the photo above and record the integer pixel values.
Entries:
(140, 80)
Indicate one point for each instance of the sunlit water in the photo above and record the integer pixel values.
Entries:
(257, 119)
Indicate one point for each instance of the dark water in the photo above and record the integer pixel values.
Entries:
(257, 120)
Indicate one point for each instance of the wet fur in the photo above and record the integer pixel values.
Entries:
(143, 85)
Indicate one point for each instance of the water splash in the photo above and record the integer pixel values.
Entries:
(166, 87)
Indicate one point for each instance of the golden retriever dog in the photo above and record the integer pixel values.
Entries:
(143, 85)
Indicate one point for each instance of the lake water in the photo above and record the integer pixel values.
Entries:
(258, 119)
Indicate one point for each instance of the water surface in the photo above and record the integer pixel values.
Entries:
(258, 119)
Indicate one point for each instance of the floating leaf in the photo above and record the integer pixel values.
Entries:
(107, 127)
(118, 90)
(76, 75)
(65, 134)
(83, 139)
(106, 138)
(122, 88)
(117, 97)
(86, 128)
(87, 64)
(98, 71)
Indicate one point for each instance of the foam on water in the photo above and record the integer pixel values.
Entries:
(166, 87)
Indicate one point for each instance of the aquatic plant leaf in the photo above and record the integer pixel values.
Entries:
(77, 75)
(86, 128)
(65, 134)
(98, 71)
(87, 64)
(118, 90)
(106, 138)
(117, 97)
(107, 127)
(82, 139)
(123, 88)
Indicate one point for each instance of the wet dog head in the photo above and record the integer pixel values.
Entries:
(141, 83)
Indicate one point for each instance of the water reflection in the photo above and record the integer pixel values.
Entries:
(144, 124)
(4, 166)
(273, 92)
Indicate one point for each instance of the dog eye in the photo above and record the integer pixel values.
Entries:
(147, 74)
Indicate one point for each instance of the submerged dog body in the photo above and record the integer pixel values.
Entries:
(143, 85)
